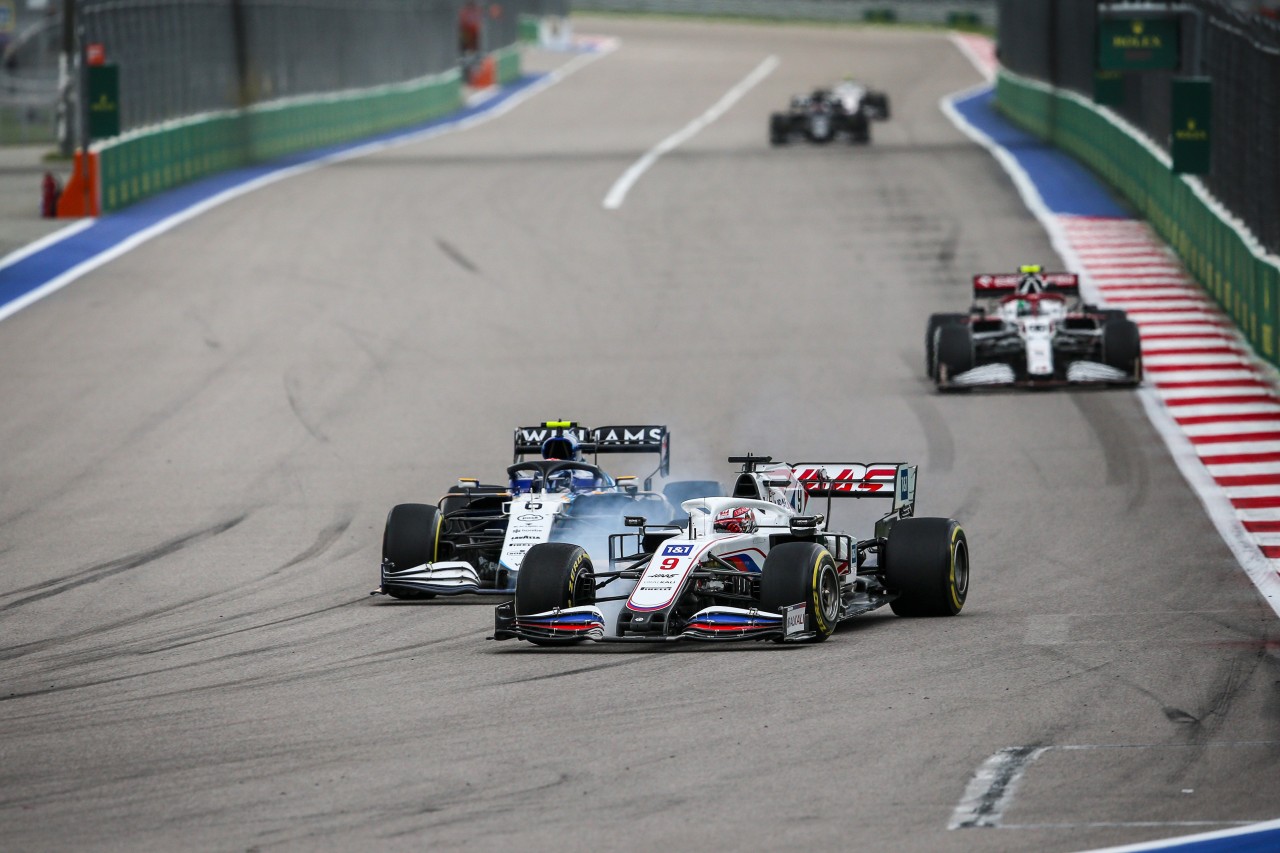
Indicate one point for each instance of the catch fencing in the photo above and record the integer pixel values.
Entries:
(1224, 225)
(967, 13)
(1055, 42)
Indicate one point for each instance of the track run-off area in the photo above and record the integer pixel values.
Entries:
(204, 433)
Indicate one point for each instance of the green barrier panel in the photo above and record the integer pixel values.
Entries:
(140, 164)
(528, 27)
(964, 20)
(880, 16)
(1239, 276)
(507, 62)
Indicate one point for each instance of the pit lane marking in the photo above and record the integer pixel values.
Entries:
(618, 192)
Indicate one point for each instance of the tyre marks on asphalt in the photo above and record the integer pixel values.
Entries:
(102, 571)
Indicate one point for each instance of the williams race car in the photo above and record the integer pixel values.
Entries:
(1030, 329)
(820, 117)
(475, 538)
(756, 565)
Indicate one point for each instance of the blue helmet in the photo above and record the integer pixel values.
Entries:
(562, 447)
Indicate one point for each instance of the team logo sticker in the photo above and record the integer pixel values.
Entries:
(677, 550)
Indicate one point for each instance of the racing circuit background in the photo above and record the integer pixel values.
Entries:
(214, 392)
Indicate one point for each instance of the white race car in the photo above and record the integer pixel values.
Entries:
(857, 97)
(476, 537)
(759, 564)
(1031, 329)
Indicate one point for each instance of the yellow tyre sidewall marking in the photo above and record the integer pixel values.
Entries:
(819, 619)
(952, 589)
(573, 574)
(435, 540)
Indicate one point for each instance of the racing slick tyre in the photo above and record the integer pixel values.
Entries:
(879, 103)
(927, 563)
(803, 572)
(1122, 347)
(554, 574)
(953, 353)
(779, 129)
(859, 130)
(411, 538)
(936, 321)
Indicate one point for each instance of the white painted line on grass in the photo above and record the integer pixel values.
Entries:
(618, 192)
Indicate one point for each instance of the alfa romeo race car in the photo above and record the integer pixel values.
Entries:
(855, 96)
(1031, 329)
(759, 564)
(820, 117)
(476, 538)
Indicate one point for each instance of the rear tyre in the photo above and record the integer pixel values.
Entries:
(411, 538)
(859, 130)
(552, 575)
(927, 564)
(1122, 347)
(936, 321)
(953, 353)
(803, 572)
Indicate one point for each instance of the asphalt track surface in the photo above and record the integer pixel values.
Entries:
(202, 439)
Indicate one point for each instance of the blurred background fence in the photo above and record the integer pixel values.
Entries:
(1055, 42)
(965, 13)
(179, 58)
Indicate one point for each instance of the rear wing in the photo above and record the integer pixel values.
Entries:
(989, 285)
(528, 440)
(893, 480)
(630, 438)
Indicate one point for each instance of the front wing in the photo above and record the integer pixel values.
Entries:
(714, 624)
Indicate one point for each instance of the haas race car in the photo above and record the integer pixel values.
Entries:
(759, 564)
(1031, 329)
(821, 117)
(476, 537)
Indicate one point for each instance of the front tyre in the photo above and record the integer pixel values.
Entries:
(927, 564)
(937, 321)
(1122, 346)
(953, 353)
(411, 538)
(554, 575)
(803, 573)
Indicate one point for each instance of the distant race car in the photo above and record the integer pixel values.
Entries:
(820, 117)
(855, 96)
(475, 538)
(759, 564)
(1030, 329)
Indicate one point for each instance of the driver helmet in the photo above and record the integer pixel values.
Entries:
(739, 519)
(1032, 280)
(561, 447)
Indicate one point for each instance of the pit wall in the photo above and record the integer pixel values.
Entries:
(1218, 250)
(139, 164)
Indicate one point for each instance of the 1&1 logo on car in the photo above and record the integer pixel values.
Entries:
(677, 550)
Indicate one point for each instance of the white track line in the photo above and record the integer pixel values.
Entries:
(991, 789)
(618, 192)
